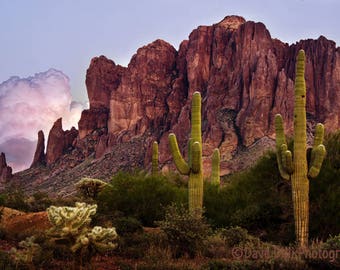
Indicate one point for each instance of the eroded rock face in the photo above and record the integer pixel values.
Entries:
(138, 104)
(245, 78)
(39, 155)
(102, 77)
(5, 171)
(93, 119)
(55, 142)
(59, 141)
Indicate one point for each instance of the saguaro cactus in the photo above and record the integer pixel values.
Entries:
(193, 167)
(154, 169)
(295, 168)
(215, 167)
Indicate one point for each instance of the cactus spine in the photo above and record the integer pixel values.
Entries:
(154, 169)
(215, 167)
(295, 168)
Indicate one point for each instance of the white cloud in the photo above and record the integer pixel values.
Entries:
(28, 105)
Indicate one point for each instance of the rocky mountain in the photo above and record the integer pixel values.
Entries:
(245, 78)
(5, 171)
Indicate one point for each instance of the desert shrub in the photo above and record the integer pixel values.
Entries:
(236, 236)
(14, 197)
(90, 187)
(215, 246)
(260, 201)
(3, 198)
(39, 201)
(132, 245)
(186, 232)
(333, 242)
(6, 263)
(140, 196)
(256, 199)
(254, 265)
(127, 225)
(325, 193)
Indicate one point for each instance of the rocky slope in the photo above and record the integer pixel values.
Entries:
(245, 78)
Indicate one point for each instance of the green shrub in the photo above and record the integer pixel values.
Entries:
(90, 187)
(15, 198)
(140, 196)
(39, 201)
(256, 199)
(236, 236)
(186, 232)
(333, 242)
(3, 199)
(325, 193)
(6, 263)
(127, 225)
(260, 201)
(132, 245)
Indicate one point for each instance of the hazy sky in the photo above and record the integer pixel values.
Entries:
(65, 34)
(48, 45)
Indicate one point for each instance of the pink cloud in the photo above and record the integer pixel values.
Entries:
(28, 105)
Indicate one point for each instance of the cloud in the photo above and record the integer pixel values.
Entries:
(28, 105)
(19, 152)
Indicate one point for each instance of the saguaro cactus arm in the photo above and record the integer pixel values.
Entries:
(319, 155)
(283, 155)
(318, 152)
(180, 163)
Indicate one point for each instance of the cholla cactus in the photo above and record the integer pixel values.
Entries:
(102, 238)
(26, 253)
(90, 187)
(71, 227)
(70, 221)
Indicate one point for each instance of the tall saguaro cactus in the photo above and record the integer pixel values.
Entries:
(193, 168)
(294, 167)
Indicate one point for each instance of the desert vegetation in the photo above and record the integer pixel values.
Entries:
(253, 219)
(247, 223)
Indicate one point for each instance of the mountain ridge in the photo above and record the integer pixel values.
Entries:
(245, 78)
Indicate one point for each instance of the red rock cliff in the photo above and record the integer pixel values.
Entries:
(245, 78)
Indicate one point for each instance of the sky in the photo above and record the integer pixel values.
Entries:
(47, 45)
